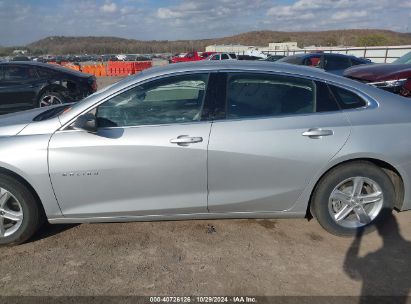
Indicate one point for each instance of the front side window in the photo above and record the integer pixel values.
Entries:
(176, 99)
(19, 73)
(224, 57)
(216, 57)
(254, 95)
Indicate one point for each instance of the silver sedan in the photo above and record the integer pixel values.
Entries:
(210, 140)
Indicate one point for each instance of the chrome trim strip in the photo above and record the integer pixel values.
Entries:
(176, 217)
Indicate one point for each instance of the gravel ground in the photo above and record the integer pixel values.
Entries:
(214, 257)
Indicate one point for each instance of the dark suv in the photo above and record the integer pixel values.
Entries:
(27, 85)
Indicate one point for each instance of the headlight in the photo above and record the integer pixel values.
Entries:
(389, 83)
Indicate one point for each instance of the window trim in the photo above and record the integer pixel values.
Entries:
(66, 126)
(371, 103)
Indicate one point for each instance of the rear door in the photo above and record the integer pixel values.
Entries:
(279, 131)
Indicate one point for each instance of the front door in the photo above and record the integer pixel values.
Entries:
(149, 156)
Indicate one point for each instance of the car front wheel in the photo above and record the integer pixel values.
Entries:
(352, 197)
(20, 214)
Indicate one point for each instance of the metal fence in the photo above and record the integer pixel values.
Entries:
(381, 54)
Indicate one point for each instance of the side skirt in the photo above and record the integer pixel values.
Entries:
(176, 217)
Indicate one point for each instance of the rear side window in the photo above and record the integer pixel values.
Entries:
(19, 73)
(325, 101)
(292, 59)
(314, 61)
(216, 57)
(336, 62)
(1, 74)
(46, 73)
(347, 99)
(233, 56)
(255, 95)
(224, 57)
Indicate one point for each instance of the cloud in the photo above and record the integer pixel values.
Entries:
(109, 7)
(23, 21)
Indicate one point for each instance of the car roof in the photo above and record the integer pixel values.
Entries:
(55, 67)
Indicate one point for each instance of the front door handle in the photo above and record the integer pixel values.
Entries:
(185, 140)
(317, 133)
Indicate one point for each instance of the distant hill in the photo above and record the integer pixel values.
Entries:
(108, 45)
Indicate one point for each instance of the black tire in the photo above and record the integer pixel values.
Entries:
(324, 188)
(33, 215)
(54, 97)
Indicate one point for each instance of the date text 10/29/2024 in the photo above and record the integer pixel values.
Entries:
(203, 299)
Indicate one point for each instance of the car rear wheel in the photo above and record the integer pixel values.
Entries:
(20, 215)
(49, 99)
(352, 197)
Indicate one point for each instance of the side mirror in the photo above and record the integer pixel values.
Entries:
(86, 122)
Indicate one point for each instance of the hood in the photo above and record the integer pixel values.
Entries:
(12, 124)
(379, 72)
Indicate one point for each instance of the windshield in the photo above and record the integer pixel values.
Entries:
(404, 59)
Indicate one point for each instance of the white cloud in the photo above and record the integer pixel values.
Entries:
(343, 15)
(23, 21)
(165, 13)
(109, 7)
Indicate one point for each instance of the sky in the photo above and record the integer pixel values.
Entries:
(25, 21)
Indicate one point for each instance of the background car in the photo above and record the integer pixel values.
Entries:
(273, 58)
(246, 140)
(332, 63)
(222, 56)
(191, 56)
(27, 85)
(394, 77)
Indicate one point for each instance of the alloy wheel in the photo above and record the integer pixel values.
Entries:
(11, 213)
(49, 100)
(355, 202)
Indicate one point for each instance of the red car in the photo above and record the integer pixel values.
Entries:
(192, 56)
(394, 77)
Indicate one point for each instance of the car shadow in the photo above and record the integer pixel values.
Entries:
(49, 230)
(386, 271)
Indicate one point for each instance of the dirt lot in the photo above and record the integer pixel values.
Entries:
(215, 257)
(221, 257)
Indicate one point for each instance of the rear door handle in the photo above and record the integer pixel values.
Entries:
(317, 133)
(185, 140)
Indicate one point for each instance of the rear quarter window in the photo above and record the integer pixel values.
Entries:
(347, 99)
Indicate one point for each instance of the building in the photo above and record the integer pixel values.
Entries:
(282, 46)
(239, 49)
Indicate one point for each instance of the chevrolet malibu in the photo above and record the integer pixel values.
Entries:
(210, 140)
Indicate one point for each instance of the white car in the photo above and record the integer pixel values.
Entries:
(222, 56)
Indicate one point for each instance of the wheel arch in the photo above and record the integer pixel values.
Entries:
(53, 87)
(394, 175)
(25, 183)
